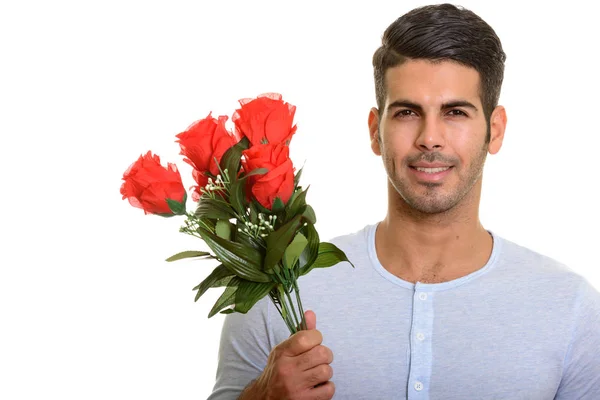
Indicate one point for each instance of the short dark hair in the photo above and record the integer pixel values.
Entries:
(438, 33)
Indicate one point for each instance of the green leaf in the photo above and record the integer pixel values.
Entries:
(311, 252)
(276, 268)
(257, 171)
(244, 261)
(231, 159)
(237, 195)
(293, 251)
(278, 241)
(277, 205)
(214, 209)
(249, 293)
(165, 215)
(329, 255)
(227, 298)
(297, 177)
(176, 207)
(227, 311)
(219, 277)
(296, 204)
(309, 214)
(223, 229)
(189, 254)
(253, 213)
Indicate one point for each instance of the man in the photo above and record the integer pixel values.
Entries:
(438, 307)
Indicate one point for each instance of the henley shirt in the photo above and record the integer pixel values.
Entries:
(523, 326)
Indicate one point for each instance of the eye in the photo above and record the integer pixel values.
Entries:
(457, 113)
(404, 113)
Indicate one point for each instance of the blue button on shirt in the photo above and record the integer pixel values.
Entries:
(521, 327)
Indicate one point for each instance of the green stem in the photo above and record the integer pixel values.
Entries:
(293, 309)
(297, 291)
(288, 309)
(289, 316)
(291, 328)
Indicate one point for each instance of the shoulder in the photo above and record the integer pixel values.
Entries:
(355, 242)
(541, 274)
(529, 261)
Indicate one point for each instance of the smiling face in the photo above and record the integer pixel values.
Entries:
(433, 134)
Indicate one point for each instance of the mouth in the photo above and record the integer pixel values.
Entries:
(431, 174)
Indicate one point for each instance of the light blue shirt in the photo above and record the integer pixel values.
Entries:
(522, 327)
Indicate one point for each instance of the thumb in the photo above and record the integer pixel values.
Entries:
(311, 319)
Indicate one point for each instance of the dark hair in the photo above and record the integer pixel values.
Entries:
(441, 33)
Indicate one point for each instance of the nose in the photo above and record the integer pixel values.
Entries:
(431, 135)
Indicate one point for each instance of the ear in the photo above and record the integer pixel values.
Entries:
(374, 131)
(497, 128)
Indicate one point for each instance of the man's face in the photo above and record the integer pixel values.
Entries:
(433, 117)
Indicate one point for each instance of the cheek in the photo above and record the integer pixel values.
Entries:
(396, 147)
(470, 152)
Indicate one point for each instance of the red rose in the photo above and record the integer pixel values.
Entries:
(266, 119)
(148, 185)
(278, 181)
(201, 143)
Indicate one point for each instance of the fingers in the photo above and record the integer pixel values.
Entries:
(315, 356)
(301, 342)
(316, 384)
(317, 375)
(323, 392)
(311, 319)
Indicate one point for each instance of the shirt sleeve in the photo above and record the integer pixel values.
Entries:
(243, 350)
(581, 372)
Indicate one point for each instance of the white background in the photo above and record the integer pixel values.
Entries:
(88, 307)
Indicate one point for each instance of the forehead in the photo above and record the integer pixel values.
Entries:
(426, 82)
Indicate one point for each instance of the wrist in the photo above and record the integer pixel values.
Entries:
(252, 391)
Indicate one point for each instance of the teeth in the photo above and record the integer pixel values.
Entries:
(432, 170)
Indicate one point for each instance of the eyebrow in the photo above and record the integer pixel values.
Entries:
(419, 108)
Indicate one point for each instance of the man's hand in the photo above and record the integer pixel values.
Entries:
(297, 369)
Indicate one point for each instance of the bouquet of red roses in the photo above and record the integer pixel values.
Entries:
(251, 211)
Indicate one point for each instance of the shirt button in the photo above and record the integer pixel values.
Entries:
(418, 386)
(423, 296)
(420, 336)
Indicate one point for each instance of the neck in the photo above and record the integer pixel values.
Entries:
(433, 247)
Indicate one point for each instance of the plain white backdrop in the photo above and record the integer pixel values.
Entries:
(89, 309)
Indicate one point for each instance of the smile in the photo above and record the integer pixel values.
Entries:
(431, 174)
(431, 170)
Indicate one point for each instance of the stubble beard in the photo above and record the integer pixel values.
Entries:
(437, 197)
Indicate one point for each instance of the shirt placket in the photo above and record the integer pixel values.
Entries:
(420, 345)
